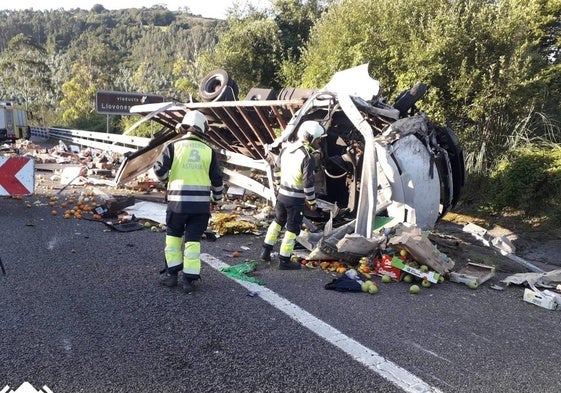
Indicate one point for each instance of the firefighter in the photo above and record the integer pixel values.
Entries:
(194, 182)
(296, 190)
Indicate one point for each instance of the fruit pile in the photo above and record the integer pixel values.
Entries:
(382, 265)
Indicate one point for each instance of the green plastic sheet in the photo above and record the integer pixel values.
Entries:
(241, 270)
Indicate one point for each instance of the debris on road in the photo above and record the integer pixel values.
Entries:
(232, 223)
(547, 300)
(241, 270)
(473, 272)
(544, 280)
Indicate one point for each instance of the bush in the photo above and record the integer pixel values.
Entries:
(529, 179)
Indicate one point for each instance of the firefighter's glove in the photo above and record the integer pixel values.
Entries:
(312, 206)
(215, 204)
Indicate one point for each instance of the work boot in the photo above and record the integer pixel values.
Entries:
(266, 253)
(168, 279)
(187, 284)
(286, 264)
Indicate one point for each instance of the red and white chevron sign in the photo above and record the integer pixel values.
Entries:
(17, 176)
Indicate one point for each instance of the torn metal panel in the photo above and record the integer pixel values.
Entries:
(419, 180)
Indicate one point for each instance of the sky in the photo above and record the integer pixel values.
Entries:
(207, 8)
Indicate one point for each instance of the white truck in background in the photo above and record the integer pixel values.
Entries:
(13, 122)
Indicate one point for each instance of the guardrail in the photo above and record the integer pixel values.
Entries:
(116, 143)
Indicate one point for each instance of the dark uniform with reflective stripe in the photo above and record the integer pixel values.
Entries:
(194, 179)
(296, 188)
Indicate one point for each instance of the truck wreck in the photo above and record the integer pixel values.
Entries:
(376, 160)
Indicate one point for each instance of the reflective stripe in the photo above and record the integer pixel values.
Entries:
(192, 258)
(287, 245)
(272, 233)
(292, 194)
(188, 198)
(179, 186)
(172, 251)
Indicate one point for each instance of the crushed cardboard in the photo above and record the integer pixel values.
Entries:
(545, 280)
(411, 239)
(473, 272)
(535, 296)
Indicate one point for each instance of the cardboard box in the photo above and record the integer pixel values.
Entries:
(539, 299)
(430, 276)
(383, 266)
(420, 248)
(473, 272)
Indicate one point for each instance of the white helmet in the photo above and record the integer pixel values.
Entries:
(196, 120)
(309, 131)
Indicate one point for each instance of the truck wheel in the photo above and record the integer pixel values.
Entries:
(218, 86)
(408, 98)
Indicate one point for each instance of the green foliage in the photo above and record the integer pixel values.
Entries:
(529, 179)
(249, 51)
(24, 74)
(261, 49)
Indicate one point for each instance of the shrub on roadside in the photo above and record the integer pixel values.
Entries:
(528, 179)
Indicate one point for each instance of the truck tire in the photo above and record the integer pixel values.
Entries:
(218, 86)
(408, 98)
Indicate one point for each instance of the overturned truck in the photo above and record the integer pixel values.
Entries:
(376, 160)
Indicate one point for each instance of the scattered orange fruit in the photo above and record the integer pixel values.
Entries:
(236, 254)
(54, 212)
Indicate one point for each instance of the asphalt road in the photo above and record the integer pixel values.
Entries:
(81, 311)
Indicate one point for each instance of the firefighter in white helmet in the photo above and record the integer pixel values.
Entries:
(194, 179)
(296, 190)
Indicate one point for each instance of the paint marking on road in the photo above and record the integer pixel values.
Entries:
(369, 358)
(419, 347)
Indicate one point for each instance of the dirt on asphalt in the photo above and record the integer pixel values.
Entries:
(540, 246)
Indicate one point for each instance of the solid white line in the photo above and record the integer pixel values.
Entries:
(375, 362)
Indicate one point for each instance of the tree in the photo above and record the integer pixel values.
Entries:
(259, 47)
(25, 74)
(249, 50)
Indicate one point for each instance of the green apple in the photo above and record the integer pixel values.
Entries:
(386, 279)
(373, 289)
(426, 283)
(365, 286)
(414, 289)
(408, 278)
(472, 284)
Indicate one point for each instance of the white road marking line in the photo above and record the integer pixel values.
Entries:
(371, 359)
